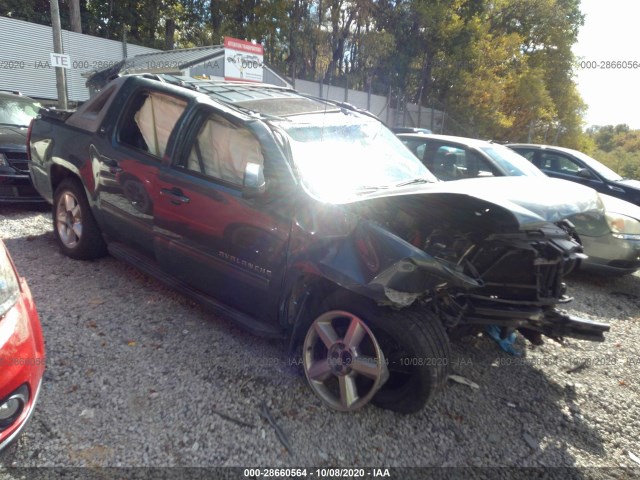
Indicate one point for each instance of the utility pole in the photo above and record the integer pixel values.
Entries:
(124, 42)
(61, 82)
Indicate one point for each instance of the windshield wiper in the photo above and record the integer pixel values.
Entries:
(370, 188)
(413, 181)
(14, 125)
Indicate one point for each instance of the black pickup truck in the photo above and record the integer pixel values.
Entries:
(307, 220)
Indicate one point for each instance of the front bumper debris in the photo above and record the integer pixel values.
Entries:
(560, 324)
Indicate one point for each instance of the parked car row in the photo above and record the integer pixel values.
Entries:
(609, 232)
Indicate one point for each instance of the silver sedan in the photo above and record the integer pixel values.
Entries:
(610, 233)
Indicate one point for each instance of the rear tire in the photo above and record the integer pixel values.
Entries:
(409, 347)
(74, 226)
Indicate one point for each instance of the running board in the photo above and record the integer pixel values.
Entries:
(148, 266)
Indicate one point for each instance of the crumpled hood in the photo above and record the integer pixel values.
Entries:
(13, 138)
(391, 239)
(550, 199)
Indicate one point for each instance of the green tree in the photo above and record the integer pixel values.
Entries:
(36, 11)
(502, 69)
(618, 147)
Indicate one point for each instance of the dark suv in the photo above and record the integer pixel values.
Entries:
(16, 111)
(568, 164)
(306, 220)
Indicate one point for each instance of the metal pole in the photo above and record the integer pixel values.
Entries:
(404, 112)
(432, 116)
(346, 87)
(389, 106)
(420, 108)
(61, 82)
(124, 42)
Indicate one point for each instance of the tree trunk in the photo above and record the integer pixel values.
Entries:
(169, 33)
(215, 7)
(74, 16)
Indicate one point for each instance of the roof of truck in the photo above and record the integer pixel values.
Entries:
(258, 98)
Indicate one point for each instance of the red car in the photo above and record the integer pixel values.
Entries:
(22, 357)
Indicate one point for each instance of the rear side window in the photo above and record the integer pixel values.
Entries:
(455, 163)
(447, 163)
(90, 114)
(149, 120)
(528, 154)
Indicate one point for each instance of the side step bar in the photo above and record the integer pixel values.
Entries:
(148, 266)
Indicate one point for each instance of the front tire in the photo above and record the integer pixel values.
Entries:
(74, 226)
(355, 353)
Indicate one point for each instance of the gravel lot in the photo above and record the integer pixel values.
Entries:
(138, 375)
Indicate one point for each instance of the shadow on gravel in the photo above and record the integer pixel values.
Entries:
(13, 208)
(48, 236)
(603, 279)
(22, 245)
(528, 419)
(127, 353)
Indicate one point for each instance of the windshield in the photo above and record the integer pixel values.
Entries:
(602, 170)
(345, 156)
(17, 111)
(511, 162)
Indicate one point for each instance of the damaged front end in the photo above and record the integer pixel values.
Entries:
(470, 261)
(477, 253)
(521, 276)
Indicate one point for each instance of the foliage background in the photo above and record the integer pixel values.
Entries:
(618, 147)
(502, 69)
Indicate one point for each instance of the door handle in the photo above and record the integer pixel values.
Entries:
(175, 195)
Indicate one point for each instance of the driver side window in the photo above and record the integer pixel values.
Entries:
(559, 164)
(221, 150)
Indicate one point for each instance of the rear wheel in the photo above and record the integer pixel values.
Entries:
(74, 227)
(355, 353)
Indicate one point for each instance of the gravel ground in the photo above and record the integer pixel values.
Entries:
(138, 375)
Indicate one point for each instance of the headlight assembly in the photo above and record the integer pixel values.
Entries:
(9, 288)
(623, 227)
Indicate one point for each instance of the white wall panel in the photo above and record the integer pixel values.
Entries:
(25, 50)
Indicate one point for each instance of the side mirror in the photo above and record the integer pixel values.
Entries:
(254, 183)
(586, 174)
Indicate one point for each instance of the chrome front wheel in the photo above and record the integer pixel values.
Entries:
(343, 361)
